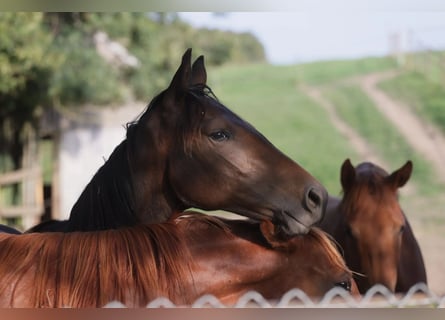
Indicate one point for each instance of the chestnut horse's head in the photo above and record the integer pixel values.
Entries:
(236, 256)
(374, 219)
(311, 263)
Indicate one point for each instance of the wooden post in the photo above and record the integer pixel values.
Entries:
(30, 180)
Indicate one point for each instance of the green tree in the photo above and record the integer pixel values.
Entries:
(25, 69)
(49, 60)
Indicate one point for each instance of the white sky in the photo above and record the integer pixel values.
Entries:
(310, 35)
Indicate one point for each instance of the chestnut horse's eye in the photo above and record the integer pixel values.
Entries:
(345, 285)
(402, 228)
(220, 135)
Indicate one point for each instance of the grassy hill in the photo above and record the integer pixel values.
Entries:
(270, 98)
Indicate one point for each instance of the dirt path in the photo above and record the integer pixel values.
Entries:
(362, 147)
(424, 138)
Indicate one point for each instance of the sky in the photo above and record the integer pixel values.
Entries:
(310, 35)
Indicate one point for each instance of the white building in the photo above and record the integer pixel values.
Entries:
(84, 146)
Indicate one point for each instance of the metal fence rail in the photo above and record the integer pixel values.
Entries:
(377, 297)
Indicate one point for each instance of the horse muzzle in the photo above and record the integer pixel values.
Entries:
(301, 219)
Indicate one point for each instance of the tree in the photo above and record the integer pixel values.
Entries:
(25, 69)
(49, 60)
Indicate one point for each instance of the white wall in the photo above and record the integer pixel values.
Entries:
(84, 148)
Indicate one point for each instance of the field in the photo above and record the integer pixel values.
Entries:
(277, 101)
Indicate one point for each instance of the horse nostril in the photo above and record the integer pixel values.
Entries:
(313, 198)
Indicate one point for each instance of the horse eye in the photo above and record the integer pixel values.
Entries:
(402, 228)
(220, 135)
(345, 285)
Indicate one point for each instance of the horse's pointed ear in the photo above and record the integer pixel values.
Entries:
(347, 175)
(269, 232)
(401, 176)
(199, 74)
(182, 78)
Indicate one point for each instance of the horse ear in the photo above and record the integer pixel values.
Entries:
(347, 175)
(401, 176)
(181, 80)
(199, 74)
(269, 233)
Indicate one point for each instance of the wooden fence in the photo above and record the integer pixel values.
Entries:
(31, 207)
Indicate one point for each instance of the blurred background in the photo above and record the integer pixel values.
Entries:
(323, 87)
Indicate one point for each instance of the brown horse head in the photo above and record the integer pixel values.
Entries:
(374, 221)
(216, 160)
(320, 266)
(189, 150)
(261, 260)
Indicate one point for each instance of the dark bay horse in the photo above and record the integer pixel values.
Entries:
(172, 157)
(175, 259)
(372, 230)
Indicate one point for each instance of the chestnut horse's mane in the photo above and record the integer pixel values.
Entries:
(328, 244)
(132, 264)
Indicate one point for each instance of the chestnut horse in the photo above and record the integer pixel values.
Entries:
(181, 259)
(372, 230)
(172, 156)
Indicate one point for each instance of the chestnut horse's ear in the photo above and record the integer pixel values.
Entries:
(181, 80)
(269, 233)
(199, 74)
(347, 175)
(401, 176)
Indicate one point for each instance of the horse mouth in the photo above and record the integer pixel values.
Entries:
(285, 221)
(292, 225)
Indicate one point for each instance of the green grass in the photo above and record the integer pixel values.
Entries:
(426, 97)
(328, 71)
(430, 63)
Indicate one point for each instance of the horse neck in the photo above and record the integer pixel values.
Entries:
(155, 199)
(108, 200)
(129, 188)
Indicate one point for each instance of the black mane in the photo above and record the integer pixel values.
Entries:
(108, 199)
